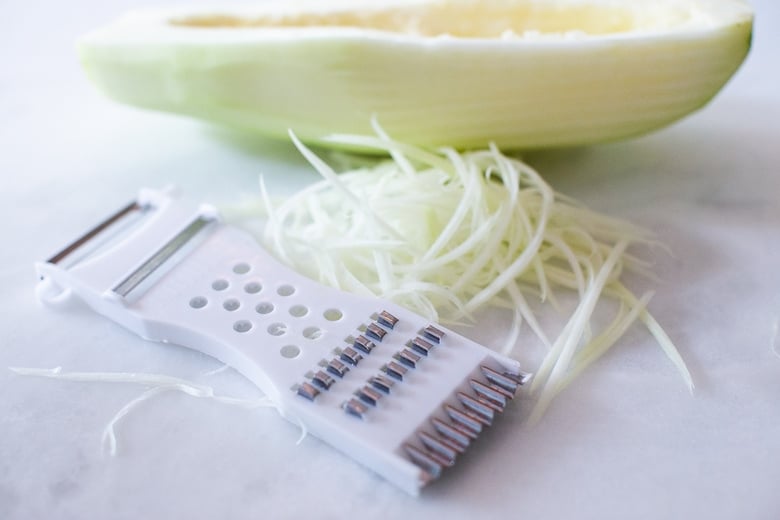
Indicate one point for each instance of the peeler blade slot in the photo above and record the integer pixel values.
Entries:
(154, 262)
(95, 231)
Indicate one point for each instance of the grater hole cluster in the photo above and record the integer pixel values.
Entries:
(232, 301)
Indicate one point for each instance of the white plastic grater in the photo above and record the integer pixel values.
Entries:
(401, 395)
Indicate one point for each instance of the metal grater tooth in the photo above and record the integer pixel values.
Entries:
(408, 358)
(421, 346)
(433, 334)
(355, 408)
(439, 446)
(351, 356)
(457, 435)
(491, 404)
(481, 408)
(337, 368)
(364, 344)
(369, 395)
(386, 319)
(491, 394)
(395, 370)
(376, 332)
(507, 382)
(308, 391)
(424, 461)
(441, 459)
(470, 422)
(451, 444)
(381, 383)
(504, 392)
(322, 380)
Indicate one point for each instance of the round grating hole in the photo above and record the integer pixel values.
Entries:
(231, 304)
(333, 314)
(277, 329)
(285, 290)
(198, 302)
(242, 326)
(299, 311)
(312, 333)
(264, 308)
(290, 351)
(241, 268)
(253, 287)
(219, 285)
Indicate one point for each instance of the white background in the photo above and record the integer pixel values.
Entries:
(626, 441)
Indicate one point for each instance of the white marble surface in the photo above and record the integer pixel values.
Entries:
(627, 440)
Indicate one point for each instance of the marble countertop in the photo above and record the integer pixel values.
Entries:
(627, 440)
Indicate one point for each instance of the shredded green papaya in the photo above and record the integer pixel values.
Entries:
(447, 233)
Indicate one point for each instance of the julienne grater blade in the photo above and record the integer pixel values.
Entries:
(403, 396)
